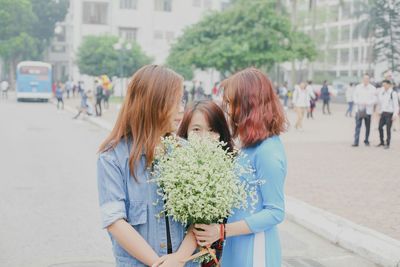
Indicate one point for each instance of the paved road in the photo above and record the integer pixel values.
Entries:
(49, 214)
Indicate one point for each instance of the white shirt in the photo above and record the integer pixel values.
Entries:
(365, 97)
(388, 101)
(4, 85)
(350, 93)
(302, 97)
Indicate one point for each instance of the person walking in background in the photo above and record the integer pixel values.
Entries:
(326, 97)
(106, 97)
(68, 88)
(349, 100)
(4, 89)
(301, 101)
(60, 95)
(389, 109)
(284, 94)
(313, 100)
(99, 97)
(364, 99)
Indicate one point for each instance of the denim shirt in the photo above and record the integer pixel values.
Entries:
(122, 197)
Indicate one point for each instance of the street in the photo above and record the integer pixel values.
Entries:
(49, 211)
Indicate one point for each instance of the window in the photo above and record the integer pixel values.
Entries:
(58, 48)
(344, 56)
(169, 36)
(128, 4)
(163, 5)
(355, 55)
(345, 34)
(128, 34)
(197, 3)
(158, 35)
(332, 56)
(95, 13)
(207, 4)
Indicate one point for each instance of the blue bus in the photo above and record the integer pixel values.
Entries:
(34, 80)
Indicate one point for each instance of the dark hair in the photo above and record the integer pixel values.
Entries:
(215, 118)
(255, 110)
(387, 81)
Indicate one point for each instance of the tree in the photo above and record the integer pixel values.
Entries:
(379, 24)
(48, 13)
(26, 28)
(248, 33)
(97, 56)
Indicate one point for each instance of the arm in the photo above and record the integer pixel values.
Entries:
(271, 168)
(112, 199)
(395, 105)
(128, 238)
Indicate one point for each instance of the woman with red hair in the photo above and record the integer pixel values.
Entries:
(257, 119)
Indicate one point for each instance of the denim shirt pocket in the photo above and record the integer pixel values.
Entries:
(137, 212)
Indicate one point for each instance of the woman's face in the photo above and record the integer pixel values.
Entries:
(199, 125)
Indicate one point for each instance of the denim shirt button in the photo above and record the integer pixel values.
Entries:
(163, 245)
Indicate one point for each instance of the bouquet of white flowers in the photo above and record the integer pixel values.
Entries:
(199, 180)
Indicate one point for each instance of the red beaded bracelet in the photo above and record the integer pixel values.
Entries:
(222, 232)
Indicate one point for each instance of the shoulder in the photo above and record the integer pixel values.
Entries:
(270, 149)
(115, 154)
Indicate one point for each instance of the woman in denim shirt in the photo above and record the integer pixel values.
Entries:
(129, 204)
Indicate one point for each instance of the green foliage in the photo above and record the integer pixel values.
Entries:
(249, 33)
(97, 56)
(380, 24)
(27, 26)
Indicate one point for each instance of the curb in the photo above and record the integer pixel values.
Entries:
(370, 244)
(367, 243)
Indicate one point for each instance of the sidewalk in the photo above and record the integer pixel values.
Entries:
(326, 172)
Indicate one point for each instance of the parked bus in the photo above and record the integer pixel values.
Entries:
(34, 80)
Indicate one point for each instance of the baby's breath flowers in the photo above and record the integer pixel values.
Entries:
(199, 180)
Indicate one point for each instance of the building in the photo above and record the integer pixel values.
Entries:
(153, 24)
(344, 55)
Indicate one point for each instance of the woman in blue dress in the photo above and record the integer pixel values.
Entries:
(257, 119)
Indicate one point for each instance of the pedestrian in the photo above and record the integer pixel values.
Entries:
(4, 89)
(106, 98)
(313, 100)
(284, 94)
(99, 97)
(200, 94)
(364, 99)
(193, 90)
(349, 99)
(326, 97)
(185, 97)
(128, 201)
(60, 95)
(389, 108)
(301, 101)
(257, 119)
(68, 88)
(84, 106)
(74, 89)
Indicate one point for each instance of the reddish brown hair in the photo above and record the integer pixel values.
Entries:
(254, 108)
(146, 115)
(215, 118)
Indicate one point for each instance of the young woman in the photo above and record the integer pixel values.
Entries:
(206, 117)
(128, 202)
(257, 119)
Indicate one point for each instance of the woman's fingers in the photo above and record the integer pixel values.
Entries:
(159, 261)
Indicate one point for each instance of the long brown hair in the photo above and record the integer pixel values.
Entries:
(254, 108)
(215, 118)
(146, 114)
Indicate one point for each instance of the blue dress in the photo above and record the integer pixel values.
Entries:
(262, 247)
